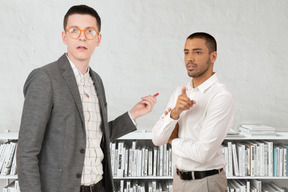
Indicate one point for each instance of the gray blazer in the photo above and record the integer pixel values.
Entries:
(52, 137)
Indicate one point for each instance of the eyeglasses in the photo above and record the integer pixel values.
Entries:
(75, 33)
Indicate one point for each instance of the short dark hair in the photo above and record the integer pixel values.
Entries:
(210, 40)
(82, 9)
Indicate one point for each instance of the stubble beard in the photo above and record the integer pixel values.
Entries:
(203, 70)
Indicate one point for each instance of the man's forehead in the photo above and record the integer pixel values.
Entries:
(82, 20)
(195, 43)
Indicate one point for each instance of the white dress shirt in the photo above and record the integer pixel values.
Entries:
(202, 128)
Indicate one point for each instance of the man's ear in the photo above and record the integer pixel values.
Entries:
(99, 39)
(213, 56)
(64, 37)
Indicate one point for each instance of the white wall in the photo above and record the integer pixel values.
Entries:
(141, 52)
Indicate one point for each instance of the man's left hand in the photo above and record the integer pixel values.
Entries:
(143, 107)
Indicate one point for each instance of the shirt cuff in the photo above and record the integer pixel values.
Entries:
(134, 122)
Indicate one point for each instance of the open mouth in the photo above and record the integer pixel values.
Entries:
(82, 47)
(191, 67)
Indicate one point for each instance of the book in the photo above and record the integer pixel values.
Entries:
(121, 159)
(235, 160)
(230, 160)
(257, 127)
(8, 159)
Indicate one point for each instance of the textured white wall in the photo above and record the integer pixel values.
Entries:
(142, 52)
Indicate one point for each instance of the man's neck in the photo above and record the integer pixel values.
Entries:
(197, 81)
(82, 66)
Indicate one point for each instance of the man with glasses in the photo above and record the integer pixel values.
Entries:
(64, 136)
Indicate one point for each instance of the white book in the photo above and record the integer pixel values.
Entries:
(281, 161)
(248, 132)
(285, 168)
(17, 187)
(261, 158)
(112, 152)
(275, 161)
(257, 184)
(145, 172)
(230, 159)
(235, 160)
(3, 155)
(128, 186)
(130, 162)
(161, 160)
(116, 163)
(9, 159)
(276, 187)
(165, 159)
(126, 162)
(225, 153)
(134, 163)
(150, 162)
(10, 187)
(258, 127)
(241, 158)
(139, 163)
(239, 185)
(268, 187)
(154, 186)
(231, 187)
(253, 159)
(121, 159)
(285, 162)
(247, 160)
(155, 152)
(170, 162)
(121, 185)
(269, 158)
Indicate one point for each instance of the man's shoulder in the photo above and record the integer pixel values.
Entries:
(56, 64)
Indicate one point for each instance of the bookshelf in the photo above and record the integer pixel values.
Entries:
(145, 137)
(162, 173)
(279, 138)
(5, 137)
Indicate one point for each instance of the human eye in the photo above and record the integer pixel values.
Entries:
(90, 31)
(197, 52)
(186, 52)
(74, 30)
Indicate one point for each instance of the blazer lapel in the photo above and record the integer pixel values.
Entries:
(70, 79)
(100, 94)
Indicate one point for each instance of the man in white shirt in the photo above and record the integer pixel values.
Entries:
(196, 121)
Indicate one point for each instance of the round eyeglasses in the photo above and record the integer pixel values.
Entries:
(75, 33)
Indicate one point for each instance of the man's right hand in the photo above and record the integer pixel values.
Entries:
(183, 103)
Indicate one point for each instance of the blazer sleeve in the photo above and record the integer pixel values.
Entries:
(122, 125)
(36, 113)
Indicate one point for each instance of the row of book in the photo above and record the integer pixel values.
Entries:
(132, 161)
(8, 158)
(145, 186)
(255, 158)
(254, 185)
(12, 187)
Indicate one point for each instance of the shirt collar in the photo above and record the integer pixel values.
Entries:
(205, 85)
(78, 75)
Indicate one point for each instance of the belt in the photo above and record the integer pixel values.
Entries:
(192, 175)
(92, 188)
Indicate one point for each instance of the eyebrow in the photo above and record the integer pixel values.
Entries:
(74, 26)
(196, 49)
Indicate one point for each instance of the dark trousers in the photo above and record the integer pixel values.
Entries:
(98, 187)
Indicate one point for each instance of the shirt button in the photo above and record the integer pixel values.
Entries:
(78, 175)
(82, 151)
